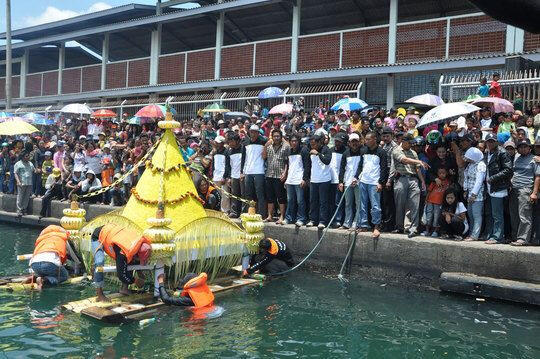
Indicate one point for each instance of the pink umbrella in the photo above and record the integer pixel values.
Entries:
(497, 104)
(152, 111)
(282, 109)
(16, 118)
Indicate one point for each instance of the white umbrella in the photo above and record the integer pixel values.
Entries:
(78, 108)
(426, 100)
(446, 111)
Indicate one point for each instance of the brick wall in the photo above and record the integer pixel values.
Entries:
(50, 83)
(33, 85)
(273, 57)
(318, 52)
(237, 61)
(91, 78)
(116, 75)
(139, 73)
(171, 69)
(71, 81)
(366, 47)
(532, 41)
(200, 65)
(476, 35)
(426, 41)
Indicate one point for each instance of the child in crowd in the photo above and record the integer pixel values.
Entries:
(46, 168)
(483, 89)
(453, 220)
(434, 200)
(530, 128)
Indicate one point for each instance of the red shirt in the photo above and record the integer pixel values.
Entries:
(495, 89)
(436, 193)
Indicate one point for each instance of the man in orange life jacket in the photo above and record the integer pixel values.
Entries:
(195, 292)
(49, 255)
(274, 257)
(123, 245)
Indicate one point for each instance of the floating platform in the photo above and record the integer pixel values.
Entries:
(504, 289)
(134, 306)
(19, 283)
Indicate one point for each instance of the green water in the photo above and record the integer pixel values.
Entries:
(305, 315)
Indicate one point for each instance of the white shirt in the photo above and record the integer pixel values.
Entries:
(219, 167)
(335, 165)
(319, 171)
(460, 208)
(484, 123)
(371, 171)
(296, 170)
(236, 163)
(51, 257)
(350, 169)
(254, 162)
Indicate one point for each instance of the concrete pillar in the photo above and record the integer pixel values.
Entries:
(220, 28)
(362, 93)
(24, 72)
(392, 32)
(390, 99)
(155, 51)
(61, 65)
(104, 61)
(515, 39)
(296, 14)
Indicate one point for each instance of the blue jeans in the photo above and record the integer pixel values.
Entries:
(36, 184)
(296, 207)
(369, 192)
(352, 206)
(475, 211)
(254, 185)
(318, 202)
(497, 219)
(50, 272)
(99, 261)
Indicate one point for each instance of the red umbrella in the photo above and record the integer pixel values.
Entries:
(103, 114)
(152, 111)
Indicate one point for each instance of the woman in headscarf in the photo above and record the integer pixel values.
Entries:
(210, 195)
(473, 187)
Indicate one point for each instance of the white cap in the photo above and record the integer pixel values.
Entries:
(220, 139)
(354, 136)
(82, 137)
(254, 128)
(78, 168)
(220, 122)
(106, 146)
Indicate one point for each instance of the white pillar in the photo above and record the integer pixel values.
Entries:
(24, 72)
(296, 17)
(61, 65)
(104, 61)
(390, 81)
(155, 51)
(515, 38)
(220, 28)
(392, 32)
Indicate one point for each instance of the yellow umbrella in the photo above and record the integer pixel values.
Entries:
(16, 127)
(215, 108)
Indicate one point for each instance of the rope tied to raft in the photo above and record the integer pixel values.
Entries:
(323, 236)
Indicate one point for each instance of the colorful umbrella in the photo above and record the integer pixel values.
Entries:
(349, 104)
(235, 115)
(271, 92)
(281, 109)
(446, 111)
(154, 111)
(472, 98)
(215, 108)
(77, 108)
(16, 126)
(497, 104)
(38, 119)
(139, 120)
(164, 110)
(426, 100)
(5, 115)
(103, 114)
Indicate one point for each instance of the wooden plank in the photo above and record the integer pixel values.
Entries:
(16, 284)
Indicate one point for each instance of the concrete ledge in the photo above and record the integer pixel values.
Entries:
(391, 258)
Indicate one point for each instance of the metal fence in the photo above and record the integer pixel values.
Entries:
(458, 88)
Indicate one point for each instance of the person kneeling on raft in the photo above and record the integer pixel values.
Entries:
(274, 257)
(195, 292)
(50, 254)
(124, 246)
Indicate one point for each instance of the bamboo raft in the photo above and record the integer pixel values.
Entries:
(135, 306)
(18, 283)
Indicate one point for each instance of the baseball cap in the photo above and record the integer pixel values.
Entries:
(56, 172)
(354, 137)
(524, 142)
(467, 137)
(106, 146)
(48, 153)
(408, 137)
(220, 139)
(78, 168)
(342, 137)
(220, 122)
(387, 131)
(82, 137)
(509, 143)
(254, 128)
(491, 137)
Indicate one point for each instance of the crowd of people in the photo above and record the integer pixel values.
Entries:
(472, 178)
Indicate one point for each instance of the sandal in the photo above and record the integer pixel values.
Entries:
(491, 241)
(519, 243)
(469, 239)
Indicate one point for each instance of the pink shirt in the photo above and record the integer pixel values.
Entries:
(58, 160)
(391, 122)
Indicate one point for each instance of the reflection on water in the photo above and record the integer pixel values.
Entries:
(301, 316)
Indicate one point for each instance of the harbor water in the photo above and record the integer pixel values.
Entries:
(306, 315)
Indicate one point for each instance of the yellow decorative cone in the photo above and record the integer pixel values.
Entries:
(180, 196)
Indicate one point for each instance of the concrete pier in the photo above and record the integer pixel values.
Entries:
(390, 259)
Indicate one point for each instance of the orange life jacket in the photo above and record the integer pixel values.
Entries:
(52, 239)
(107, 176)
(198, 291)
(274, 249)
(128, 240)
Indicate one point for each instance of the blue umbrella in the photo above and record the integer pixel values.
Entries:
(349, 104)
(38, 119)
(135, 120)
(271, 92)
(5, 115)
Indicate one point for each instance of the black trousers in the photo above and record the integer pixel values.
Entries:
(122, 272)
(54, 192)
(454, 228)
(388, 222)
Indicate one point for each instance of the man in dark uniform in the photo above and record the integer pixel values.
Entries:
(274, 257)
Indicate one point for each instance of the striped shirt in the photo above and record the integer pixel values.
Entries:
(276, 160)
